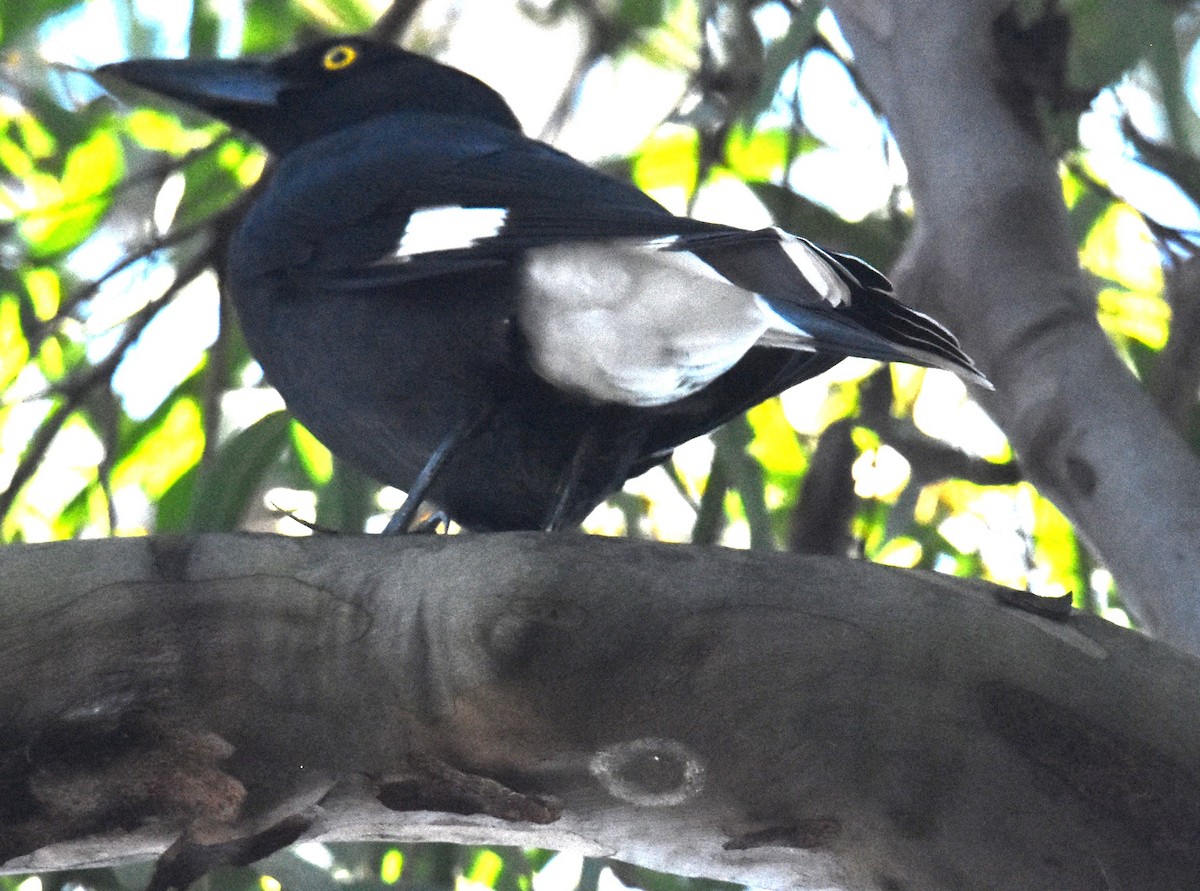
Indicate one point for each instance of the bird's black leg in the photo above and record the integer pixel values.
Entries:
(570, 477)
(460, 433)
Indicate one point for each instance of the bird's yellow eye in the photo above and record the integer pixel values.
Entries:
(339, 57)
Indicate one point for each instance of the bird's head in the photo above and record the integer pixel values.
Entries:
(292, 99)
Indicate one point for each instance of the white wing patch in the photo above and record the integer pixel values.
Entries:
(448, 228)
(633, 322)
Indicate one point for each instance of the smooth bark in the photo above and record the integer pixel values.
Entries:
(993, 257)
(790, 722)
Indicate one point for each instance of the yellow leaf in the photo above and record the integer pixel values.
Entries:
(45, 291)
(92, 167)
(39, 141)
(904, 552)
(667, 160)
(14, 349)
(775, 445)
(317, 459)
(1136, 314)
(166, 453)
(1120, 248)
(165, 133)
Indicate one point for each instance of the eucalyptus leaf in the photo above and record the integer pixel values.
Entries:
(223, 488)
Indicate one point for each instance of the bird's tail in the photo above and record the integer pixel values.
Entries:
(829, 302)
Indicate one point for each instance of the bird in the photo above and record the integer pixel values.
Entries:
(481, 320)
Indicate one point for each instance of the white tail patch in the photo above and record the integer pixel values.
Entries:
(449, 228)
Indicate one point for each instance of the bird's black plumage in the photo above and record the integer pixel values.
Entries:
(418, 277)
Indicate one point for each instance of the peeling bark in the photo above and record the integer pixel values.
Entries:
(784, 721)
(992, 256)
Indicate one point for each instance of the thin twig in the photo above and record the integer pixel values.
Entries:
(75, 389)
(597, 39)
(390, 26)
(89, 290)
(223, 218)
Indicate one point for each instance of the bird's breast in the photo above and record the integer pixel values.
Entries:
(631, 322)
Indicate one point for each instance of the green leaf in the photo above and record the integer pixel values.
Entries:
(159, 131)
(638, 15)
(225, 486)
(1121, 249)
(764, 154)
(210, 185)
(166, 452)
(746, 478)
(93, 167)
(69, 208)
(36, 139)
(348, 16)
(17, 18)
(391, 866)
(1109, 37)
(775, 445)
(17, 162)
(486, 869)
(315, 459)
(1086, 205)
(1135, 314)
(1056, 546)
(204, 33)
(270, 26)
(245, 162)
(44, 288)
(52, 357)
(347, 500)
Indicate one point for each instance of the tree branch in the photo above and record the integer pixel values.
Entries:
(395, 20)
(783, 721)
(992, 256)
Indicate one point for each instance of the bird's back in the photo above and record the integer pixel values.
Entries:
(379, 367)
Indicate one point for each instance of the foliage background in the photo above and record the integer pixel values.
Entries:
(129, 404)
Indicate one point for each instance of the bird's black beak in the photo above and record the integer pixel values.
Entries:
(225, 88)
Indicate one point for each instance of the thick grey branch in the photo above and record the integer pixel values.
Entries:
(790, 722)
(993, 257)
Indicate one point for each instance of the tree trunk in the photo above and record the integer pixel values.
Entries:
(993, 257)
(784, 721)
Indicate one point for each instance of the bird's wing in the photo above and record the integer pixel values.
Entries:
(410, 198)
(404, 200)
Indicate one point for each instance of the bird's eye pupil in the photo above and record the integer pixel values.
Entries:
(339, 57)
